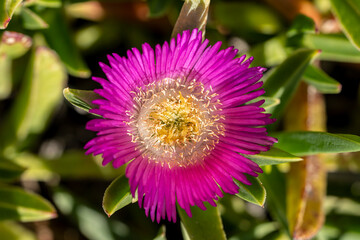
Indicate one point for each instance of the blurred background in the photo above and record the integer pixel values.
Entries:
(48, 45)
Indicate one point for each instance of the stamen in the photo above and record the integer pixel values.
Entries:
(176, 122)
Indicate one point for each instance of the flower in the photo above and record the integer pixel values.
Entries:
(179, 116)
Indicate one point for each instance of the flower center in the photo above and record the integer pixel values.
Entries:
(175, 121)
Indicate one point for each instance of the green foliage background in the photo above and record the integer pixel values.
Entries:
(50, 190)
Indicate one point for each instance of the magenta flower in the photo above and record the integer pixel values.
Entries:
(179, 116)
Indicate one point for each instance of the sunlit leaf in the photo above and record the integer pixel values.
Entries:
(32, 21)
(269, 102)
(9, 170)
(14, 44)
(273, 156)
(7, 9)
(310, 143)
(193, 15)
(81, 98)
(348, 12)
(5, 76)
(254, 193)
(16, 204)
(13, 231)
(117, 195)
(306, 184)
(38, 97)
(44, 3)
(203, 225)
(319, 79)
(333, 47)
(284, 80)
(60, 39)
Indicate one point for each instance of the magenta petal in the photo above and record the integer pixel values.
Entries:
(179, 116)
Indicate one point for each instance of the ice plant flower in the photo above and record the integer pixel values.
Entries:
(179, 116)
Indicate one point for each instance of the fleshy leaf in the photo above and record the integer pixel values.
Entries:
(319, 79)
(44, 3)
(348, 12)
(9, 170)
(14, 44)
(5, 76)
(273, 156)
(301, 24)
(14, 231)
(32, 21)
(269, 102)
(254, 193)
(203, 225)
(16, 204)
(81, 98)
(39, 96)
(193, 15)
(284, 80)
(306, 184)
(309, 143)
(60, 39)
(117, 195)
(7, 9)
(333, 47)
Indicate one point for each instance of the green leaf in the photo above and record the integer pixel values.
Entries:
(247, 19)
(310, 143)
(269, 102)
(60, 39)
(319, 79)
(32, 21)
(193, 15)
(333, 47)
(14, 231)
(161, 234)
(269, 53)
(274, 183)
(14, 44)
(7, 9)
(5, 77)
(44, 3)
(301, 24)
(254, 193)
(203, 225)
(42, 169)
(117, 196)
(273, 156)
(284, 80)
(81, 98)
(38, 98)
(9, 170)
(348, 12)
(159, 7)
(16, 204)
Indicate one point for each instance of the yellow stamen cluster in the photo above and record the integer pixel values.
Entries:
(174, 121)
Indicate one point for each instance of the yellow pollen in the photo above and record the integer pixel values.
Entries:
(175, 120)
